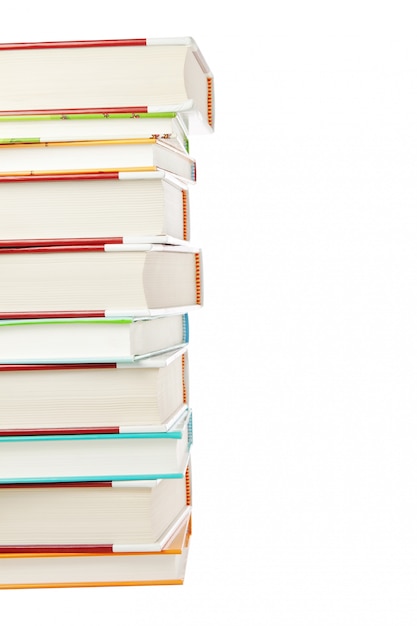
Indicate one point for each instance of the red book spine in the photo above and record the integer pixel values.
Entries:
(29, 432)
(13, 367)
(53, 248)
(103, 111)
(59, 549)
(100, 43)
(21, 245)
(29, 315)
(58, 177)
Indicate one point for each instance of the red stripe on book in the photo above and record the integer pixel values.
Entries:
(38, 178)
(54, 366)
(22, 244)
(34, 315)
(72, 44)
(63, 112)
(106, 484)
(64, 549)
(29, 432)
(53, 248)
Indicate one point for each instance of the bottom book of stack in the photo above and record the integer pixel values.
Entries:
(24, 570)
(95, 533)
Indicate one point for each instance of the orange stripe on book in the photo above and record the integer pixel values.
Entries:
(130, 583)
(104, 170)
(188, 486)
(58, 177)
(210, 101)
(184, 382)
(185, 232)
(198, 277)
(78, 142)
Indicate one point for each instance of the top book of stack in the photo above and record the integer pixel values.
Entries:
(107, 79)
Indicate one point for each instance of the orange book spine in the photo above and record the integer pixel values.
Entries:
(210, 107)
(127, 583)
(198, 277)
(185, 214)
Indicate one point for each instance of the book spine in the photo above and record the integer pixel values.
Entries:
(185, 215)
(19, 315)
(71, 585)
(185, 328)
(46, 480)
(188, 490)
(32, 174)
(190, 430)
(184, 379)
(30, 432)
(99, 43)
(16, 367)
(210, 101)
(86, 116)
(174, 434)
(54, 549)
(75, 242)
(198, 278)
(65, 176)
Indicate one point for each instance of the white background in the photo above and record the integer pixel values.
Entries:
(303, 360)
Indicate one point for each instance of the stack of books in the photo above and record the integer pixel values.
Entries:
(97, 279)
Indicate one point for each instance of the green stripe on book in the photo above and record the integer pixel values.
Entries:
(74, 320)
(82, 116)
(20, 140)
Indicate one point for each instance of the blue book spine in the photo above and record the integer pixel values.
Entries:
(185, 328)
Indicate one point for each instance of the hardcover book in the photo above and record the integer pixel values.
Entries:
(90, 339)
(99, 156)
(113, 516)
(99, 280)
(116, 207)
(90, 126)
(40, 570)
(86, 398)
(109, 76)
(97, 457)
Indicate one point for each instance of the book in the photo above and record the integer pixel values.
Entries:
(113, 516)
(102, 155)
(90, 126)
(116, 207)
(90, 339)
(109, 280)
(97, 457)
(86, 398)
(108, 76)
(40, 570)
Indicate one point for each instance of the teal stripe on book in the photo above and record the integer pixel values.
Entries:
(79, 479)
(190, 430)
(175, 434)
(185, 328)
